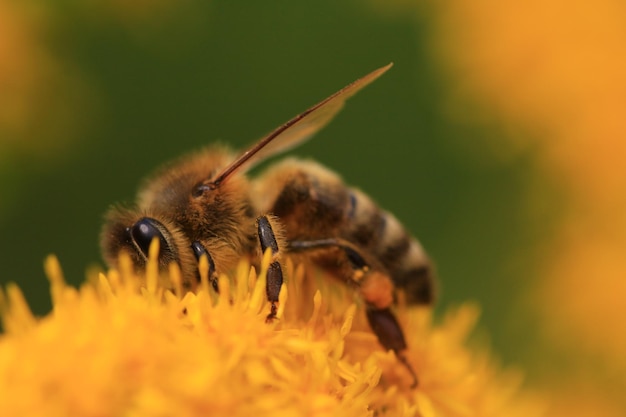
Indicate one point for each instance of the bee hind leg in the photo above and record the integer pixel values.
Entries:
(353, 255)
(373, 284)
(274, 280)
(389, 333)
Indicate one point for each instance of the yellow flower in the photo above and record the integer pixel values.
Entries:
(557, 69)
(123, 345)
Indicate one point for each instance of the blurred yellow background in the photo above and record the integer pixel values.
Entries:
(497, 138)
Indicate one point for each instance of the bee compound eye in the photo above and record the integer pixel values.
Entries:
(144, 231)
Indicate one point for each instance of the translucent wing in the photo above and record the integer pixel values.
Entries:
(299, 129)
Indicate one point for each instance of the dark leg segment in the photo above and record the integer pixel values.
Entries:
(199, 250)
(274, 280)
(354, 257)
(387, 328)
(390, 335)
(382, 321)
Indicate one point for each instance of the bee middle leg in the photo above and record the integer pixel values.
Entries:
(377, 292)
(274, 280)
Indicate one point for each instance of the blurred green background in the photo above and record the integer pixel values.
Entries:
(134, 86)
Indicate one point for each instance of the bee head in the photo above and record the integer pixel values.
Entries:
(131, 232)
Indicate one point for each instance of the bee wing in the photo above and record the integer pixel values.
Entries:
(299, 129)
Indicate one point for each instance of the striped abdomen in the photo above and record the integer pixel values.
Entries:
(313, 203)
(379, 233)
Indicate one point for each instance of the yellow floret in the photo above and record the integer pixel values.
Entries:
(124, 345)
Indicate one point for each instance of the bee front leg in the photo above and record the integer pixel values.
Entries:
(274, 280)
(199, 251)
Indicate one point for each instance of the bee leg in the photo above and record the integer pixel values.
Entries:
(274, 280)
(356, 260)
(199, 250)
(386, 327)
(382, 320)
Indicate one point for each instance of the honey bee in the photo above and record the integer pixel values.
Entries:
(204, 205)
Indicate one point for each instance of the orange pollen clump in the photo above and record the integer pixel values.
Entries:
(377, 289)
